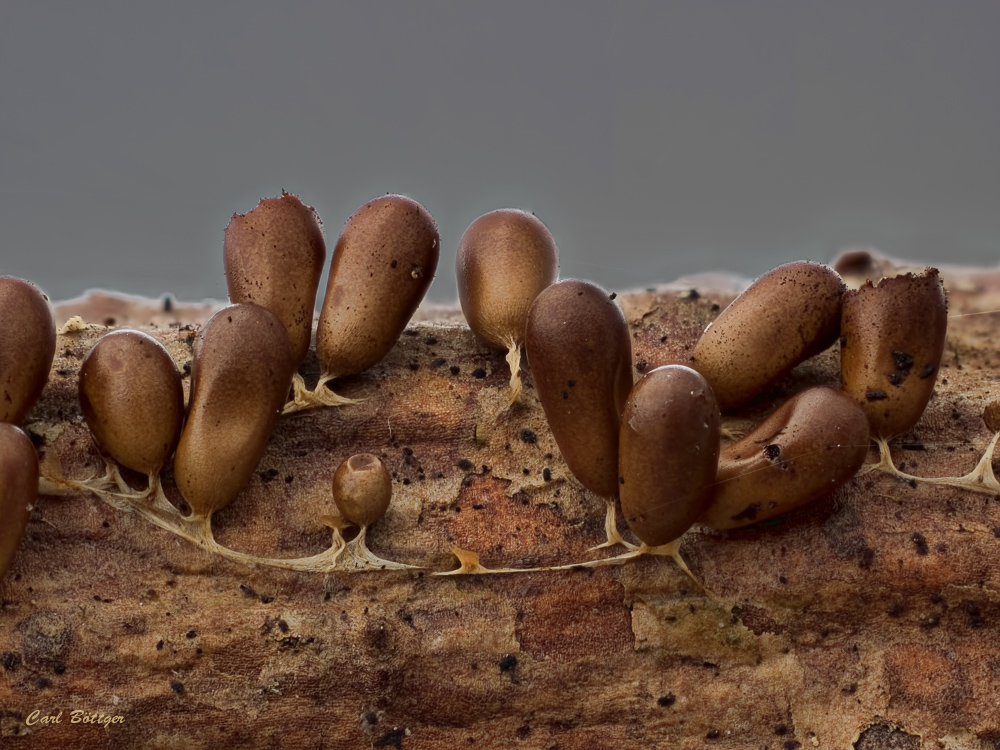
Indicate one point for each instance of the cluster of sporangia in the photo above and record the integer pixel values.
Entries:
(653, 445)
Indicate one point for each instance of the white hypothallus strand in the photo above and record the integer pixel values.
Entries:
(153, 505)
(353, 555)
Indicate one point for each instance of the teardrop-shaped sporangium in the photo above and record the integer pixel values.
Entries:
(669, 452)
(892, 341)
(505, 259)
(788, 315)
(239, 382)
(362, 489)
(132, 398)
(274, 257)
(27, 347)
(580, 356)
(18, 489)
(381, 268)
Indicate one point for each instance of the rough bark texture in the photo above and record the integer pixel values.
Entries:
(869, 620)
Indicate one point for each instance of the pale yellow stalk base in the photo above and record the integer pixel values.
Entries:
(303, 398)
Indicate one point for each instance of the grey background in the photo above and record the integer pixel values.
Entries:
(654, 139)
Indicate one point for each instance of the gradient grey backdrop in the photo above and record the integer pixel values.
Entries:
(655, 139)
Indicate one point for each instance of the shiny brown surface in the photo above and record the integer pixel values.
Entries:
(27, 346)
(273, 257)
(505, 258)
(383, 263)
(668, 452)
(893, 335)
(131, 396)
(808, 448)
(580, 358)
(362, 489)
(18, 489)
(240, 379)
(786, 316)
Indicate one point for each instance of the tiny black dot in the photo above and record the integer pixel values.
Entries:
(177, 687)
(479, 373)
(666, 700)
(546, 475)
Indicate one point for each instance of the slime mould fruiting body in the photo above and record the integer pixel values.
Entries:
(786, 316)
(27, 347)
(669, 453)
(892, 340)
(580, 355)
(505, 259)
(274, 257)
(132, 399)
(362, 489)
(655, 445)
(581, 362)
(18, 489)
(241, 376)
(382, 266)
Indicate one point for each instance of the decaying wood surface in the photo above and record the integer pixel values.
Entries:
(869, 620)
